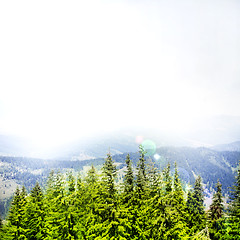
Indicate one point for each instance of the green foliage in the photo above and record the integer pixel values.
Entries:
(167, 179)
(141, 173)
(216, 222)
(150, 205)
(216, 208)
(16, 214)
(128, 181)
(234, 218)
(196, 218)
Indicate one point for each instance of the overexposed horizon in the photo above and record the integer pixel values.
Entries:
(74, 69)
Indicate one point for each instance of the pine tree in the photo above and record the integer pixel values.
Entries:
(83, 204)
(58, 221)
(91, 177)
(190, 209)
(107, 208)
(195, 207)
(235, 208)
(178, 190)
(127, 201)
(34, 218)
(154, 180)
(16, 213)
(216, 213)
(88, 202)
(216, 208)
(167, 179)
(165, 212)
(198, 196)
(128, 181)
(1, 223)
(138, 222)
(71, 182)
(109, 176)
(141, 174)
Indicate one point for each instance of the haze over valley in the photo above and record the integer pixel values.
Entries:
(130, 108)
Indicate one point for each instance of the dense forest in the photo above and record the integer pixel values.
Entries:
(148, 204)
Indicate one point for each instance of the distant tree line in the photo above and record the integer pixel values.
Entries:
(148, 204)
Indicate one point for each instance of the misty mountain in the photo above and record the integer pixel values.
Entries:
(13, 145)
(215, 131)
(117, 142)
(235, 146)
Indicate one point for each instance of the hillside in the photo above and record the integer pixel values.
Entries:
(209, 164)
(235, 146)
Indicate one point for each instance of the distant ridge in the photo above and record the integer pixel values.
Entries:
(234, 146)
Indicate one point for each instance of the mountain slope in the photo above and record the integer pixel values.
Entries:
(209, 164)
(235, 146)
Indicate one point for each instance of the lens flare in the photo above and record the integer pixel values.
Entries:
(156, 156)
(139, 139)
(149, 146)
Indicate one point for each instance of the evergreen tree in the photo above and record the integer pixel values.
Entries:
(216, 208)
(89, 201)
(190, 209)
(71, 182)
(165, 212)
(167, 179)
(16, 213)
(34, 218)
(107, 227)
(178, 190)
(141, 174)
(91, 177)
(83, 215)
(195, 207)
(138, 210)
(198, 196)
(154, 180)
(128, 205)
(58, 221)
(216, 213)
(1, 223)
(109, 176)
(128, 181)
(235, 208)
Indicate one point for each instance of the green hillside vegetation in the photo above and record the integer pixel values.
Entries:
(147, 203)
(210, 164)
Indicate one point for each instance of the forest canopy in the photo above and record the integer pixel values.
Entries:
(147, 204)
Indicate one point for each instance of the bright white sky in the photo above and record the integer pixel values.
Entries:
(73, 68)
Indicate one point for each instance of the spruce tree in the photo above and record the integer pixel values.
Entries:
(167, 179)
(107, 227)
(1, 223)
(195, 207)
(16, 213)
(70, 182)
(141, 174)
(190, 209)
(177, 190)
(88, 203)
(235, 208)
(91, 177)
(139, 222)
(127, 201)
(216, 213)
(198, 196)
(154, 181)
(216, 208)
(34, 218)
(128, 181)
(58, 221)
(109, 176)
